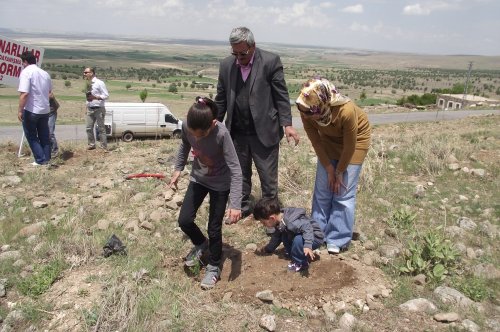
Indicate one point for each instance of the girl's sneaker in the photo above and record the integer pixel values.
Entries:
(296, 267)
(212, 275)
(193, 257)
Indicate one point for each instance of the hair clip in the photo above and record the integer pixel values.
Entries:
(200, 100)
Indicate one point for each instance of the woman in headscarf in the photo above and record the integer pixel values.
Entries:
(340, 135)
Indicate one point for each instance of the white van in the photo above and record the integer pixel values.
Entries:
(131, 120)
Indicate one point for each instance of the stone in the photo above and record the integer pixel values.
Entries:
(389, 251)
(369, 245)
(227, 296)
(420, 279)
(10, 180)
(178, 199)
(486, 271)
(339, 306)
(103, 224)
(478, 172)
(147, 226)
(33, 229)
(251, 247)
(347, 321)
(132, 226)
(266, 295)
(471, 253)
(158, 215)
(451, 159)
(470, 326)
(451, 296)
(268, 322)
(39, 204)
(329, 312)
(418, 305)
(466, 223)
(3, 283)
(13, 254)
(446, 317)
(453, 167)
(419, 191)
(139, 197)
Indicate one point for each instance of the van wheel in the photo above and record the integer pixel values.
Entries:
(127, 136)
(176, 134)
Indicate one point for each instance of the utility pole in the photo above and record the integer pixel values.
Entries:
(467, 82)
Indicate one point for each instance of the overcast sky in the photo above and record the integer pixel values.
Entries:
(420, 26)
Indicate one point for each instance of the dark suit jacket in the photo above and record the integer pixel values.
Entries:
(269, 100)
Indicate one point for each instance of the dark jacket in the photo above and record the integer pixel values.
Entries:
(268, 100)
(295, 221)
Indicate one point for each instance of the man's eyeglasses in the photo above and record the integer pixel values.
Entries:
(86, 72)
(244, 53)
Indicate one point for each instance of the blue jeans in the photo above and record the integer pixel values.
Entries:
(294, 246)
(54, 148)
(335, 213)
(36, 130)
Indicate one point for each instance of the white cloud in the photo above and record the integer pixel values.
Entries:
(356, 9)
(327, 5)
(428, 7)
(356, 27)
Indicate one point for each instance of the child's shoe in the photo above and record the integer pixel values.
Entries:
(212, 275)
(296, 267)
(193, 257)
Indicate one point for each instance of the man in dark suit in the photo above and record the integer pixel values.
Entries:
(252, 96)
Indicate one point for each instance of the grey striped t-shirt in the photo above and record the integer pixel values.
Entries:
(215, 163)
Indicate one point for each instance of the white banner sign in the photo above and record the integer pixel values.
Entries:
(10, 61)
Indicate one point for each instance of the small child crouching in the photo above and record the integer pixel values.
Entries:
(300, 234)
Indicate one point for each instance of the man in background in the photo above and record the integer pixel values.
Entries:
(96, 95)
(35, 86)
(252, 95)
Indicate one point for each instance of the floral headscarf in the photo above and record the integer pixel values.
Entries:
(319, 95)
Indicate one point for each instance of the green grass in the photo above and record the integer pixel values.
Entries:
(41, 280)
(374, 102)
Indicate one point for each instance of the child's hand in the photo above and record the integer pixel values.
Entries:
(261, 251)
(174, 179)
(309, 252)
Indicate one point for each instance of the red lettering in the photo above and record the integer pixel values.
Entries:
(10, 69)
(7, 48)
(2, 45)
(14, 49)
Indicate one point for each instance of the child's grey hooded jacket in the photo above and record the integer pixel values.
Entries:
(295, 221)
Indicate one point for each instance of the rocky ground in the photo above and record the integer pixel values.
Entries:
(87, 196)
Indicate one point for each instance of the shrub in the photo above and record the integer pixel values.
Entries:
(431, 255)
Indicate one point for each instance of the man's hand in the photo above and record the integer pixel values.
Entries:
(291, 133)
(23, 99)
(233, 215)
